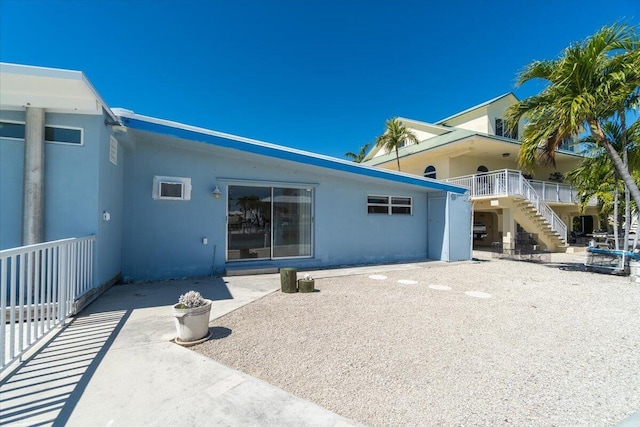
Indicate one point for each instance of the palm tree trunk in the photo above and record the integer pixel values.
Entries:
(635, 237)
(627, 197)
(398, 159)
(627, 218)
(615, 216)
(622, 170)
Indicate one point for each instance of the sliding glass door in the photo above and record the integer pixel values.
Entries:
(268, 222)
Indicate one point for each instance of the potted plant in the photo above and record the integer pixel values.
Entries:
(306, 284)
(191, 314)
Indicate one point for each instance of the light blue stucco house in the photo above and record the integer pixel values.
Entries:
(168, 200)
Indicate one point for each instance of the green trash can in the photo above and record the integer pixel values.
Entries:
(288, 280)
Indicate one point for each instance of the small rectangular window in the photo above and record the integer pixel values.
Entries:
(389, 205)
(171, 188)
(63, 135)
(378, 204)
(378, 200)
(11, 130)
(53, 134)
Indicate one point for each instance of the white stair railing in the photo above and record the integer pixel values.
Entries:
(547, 213)
(38, 286)
(504, 183)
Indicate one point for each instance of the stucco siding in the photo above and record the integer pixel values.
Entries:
(71, 177)
(110, 200)
(163, 239)
(71, 180)
(347, 234)
(477, 124)
(11, 171)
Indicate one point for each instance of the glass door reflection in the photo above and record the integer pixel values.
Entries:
(291, 222)
(249, 223)
(266, 222)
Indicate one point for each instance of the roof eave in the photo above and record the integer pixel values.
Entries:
(206, 136)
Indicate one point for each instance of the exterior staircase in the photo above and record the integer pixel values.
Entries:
(529, 209)
(532, 220)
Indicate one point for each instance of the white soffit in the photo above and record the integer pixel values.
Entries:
(61, 91)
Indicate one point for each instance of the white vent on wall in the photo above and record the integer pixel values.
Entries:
(171, 188)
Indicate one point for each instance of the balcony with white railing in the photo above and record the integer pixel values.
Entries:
(494, 184)
(511, 183)
(38, 287)
(554, 192)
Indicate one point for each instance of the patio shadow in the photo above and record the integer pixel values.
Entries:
(46, 388)
(48, 385)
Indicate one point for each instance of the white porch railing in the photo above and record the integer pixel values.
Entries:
(510, 183)
(38, 286)
(559, 193)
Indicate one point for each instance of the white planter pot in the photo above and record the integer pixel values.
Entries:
(192, 324)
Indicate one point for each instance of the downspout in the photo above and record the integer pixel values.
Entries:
(33, 178)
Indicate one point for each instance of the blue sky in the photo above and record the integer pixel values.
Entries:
(321, 76)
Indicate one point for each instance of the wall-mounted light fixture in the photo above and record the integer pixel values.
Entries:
(217, 193)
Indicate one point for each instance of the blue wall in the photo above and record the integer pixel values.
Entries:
(11, 171)
(71, 179)
(80, 183)
(110, 199)
(163, 239)
(459, 227)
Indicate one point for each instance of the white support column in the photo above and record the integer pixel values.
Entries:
(508, 232)
(33, 178)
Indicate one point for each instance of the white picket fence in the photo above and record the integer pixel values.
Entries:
(38, 286)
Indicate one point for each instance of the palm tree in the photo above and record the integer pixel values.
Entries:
(596, 175)
(396, 135)
(358, 158)
(593, 82)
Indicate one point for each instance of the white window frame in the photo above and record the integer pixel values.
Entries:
(505, 131)
(390, 204)
(17, 122)
(66, 143)
(159, 180)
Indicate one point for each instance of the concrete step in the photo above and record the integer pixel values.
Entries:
(248, 271)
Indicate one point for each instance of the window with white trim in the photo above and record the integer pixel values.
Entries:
(52, 134)
(171, 188)
(389, 205)
(11, 130)
(63, 135)
(503, 130)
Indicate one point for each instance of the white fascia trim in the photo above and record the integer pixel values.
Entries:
(58, 73)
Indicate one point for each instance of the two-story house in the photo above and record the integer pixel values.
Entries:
(474, 149)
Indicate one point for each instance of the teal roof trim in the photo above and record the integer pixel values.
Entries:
(468, 110)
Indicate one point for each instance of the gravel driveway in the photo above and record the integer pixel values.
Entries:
(510, 343)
